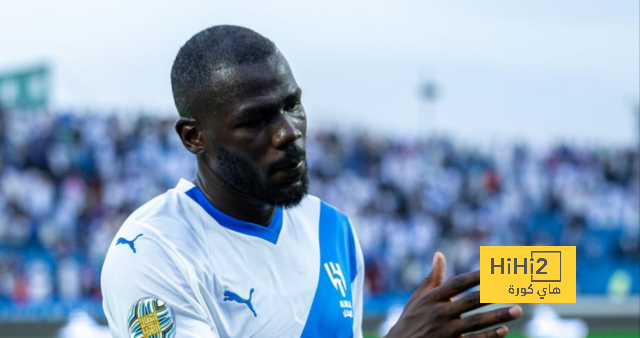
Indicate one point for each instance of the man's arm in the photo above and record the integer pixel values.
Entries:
(154, 271)
(431, 313)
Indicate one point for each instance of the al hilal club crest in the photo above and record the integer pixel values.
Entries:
(151, 318)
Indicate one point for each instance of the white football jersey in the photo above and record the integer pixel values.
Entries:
(179, 267)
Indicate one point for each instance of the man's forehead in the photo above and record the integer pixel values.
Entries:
(241, 82)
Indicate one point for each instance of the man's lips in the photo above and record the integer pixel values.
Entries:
(291, 165)
(292, 171)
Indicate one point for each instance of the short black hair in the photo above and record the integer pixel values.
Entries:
(209, 51)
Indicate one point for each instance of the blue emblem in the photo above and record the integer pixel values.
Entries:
(228, 296)
(123, 240)
(151, 317)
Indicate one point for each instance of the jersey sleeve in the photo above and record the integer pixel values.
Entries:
(150, 270)
(357, 287)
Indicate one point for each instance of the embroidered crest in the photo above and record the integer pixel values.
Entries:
(151, 318)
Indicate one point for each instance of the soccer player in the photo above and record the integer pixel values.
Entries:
(242, 250)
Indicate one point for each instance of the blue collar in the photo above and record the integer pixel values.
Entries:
(269, 233)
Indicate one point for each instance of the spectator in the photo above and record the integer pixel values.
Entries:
(68, 181)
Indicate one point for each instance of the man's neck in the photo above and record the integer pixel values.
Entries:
(230, 201)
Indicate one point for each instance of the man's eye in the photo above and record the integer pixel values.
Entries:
(253, 123)
(292, 106)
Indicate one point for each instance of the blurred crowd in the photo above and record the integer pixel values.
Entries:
(409, 198)
(69, 180)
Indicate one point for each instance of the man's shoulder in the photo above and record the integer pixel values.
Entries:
(172, 206)
(167, 206)
(312, 201)
(160, 225)
(313, 206)
(328, 207)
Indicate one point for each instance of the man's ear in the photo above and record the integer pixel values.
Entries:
(191, 136)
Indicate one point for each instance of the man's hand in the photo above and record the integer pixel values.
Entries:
(431, 313)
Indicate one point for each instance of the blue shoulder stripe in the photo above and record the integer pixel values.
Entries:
(331, 313)
(353, 261)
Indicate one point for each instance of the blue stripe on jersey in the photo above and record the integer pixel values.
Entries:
(331, 313)
(269, 233)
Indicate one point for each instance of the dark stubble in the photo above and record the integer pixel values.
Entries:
(239, 174)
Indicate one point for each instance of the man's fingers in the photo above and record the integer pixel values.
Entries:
(434, 278)
(459, 284)
(437, 271)
(483, 320)
(498, 332)
(466, 303)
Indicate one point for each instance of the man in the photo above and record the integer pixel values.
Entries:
(242, 250)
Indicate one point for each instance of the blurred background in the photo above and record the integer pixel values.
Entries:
(436, 126)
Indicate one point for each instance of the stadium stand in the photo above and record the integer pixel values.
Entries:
(68, 180)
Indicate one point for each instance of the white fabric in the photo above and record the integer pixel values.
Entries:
(189, 260)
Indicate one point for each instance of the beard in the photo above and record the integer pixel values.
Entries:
(240, 175)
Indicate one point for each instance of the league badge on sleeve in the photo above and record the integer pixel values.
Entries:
(151, 318)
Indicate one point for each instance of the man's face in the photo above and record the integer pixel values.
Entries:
(255, 138)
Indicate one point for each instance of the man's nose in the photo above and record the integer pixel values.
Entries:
(285, 133)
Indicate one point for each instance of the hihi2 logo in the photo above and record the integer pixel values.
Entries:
(528, 274)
